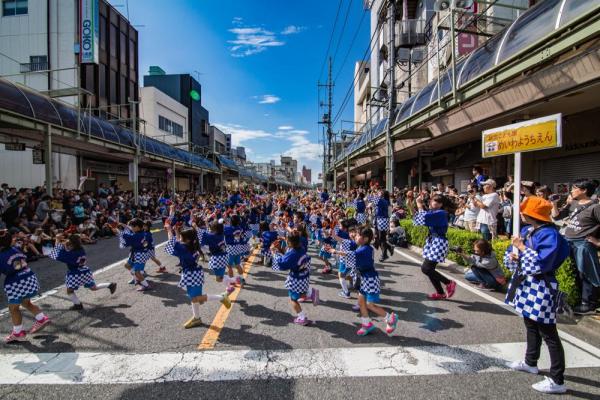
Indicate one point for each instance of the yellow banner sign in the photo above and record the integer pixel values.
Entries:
(536, 134)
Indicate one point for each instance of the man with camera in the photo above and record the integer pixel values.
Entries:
(489, 204)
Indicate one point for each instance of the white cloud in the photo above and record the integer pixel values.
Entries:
(251, 40)
(267, 99)
(285, 128)
(237, 20)
(292, 29)
(299, 132)
(303, 149)
(240, 134)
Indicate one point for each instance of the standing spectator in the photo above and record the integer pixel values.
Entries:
(487, 220)
(471, 209)
(582, 222)
(507, 211)
(478, 177)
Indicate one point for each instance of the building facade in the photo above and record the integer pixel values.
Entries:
(162, 117)
(307, 174)
(187, 91)
(218, 141)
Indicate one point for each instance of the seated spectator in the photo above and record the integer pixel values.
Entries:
(484, 267)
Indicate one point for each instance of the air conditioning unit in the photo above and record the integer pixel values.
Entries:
(442, 5)
(418, 55)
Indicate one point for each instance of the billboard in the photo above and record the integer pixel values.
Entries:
(88, 31)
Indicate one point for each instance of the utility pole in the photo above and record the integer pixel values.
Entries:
(136, 157)
(389, 159)
(327, 121)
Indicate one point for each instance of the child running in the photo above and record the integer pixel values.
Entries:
(215, 241)
(297, 262)
(347, 246)
(233, 240)
(326, 241)
(267, 237)
(133, 236)
(20, 286)
(70, 251)
(370, 286)
(186, 246)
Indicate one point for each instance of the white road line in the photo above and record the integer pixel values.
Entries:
(121, 368)
(564, 335)
(51, 292)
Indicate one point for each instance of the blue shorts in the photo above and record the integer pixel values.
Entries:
(234, 260)
(324, 254)
(342, 268)
(371, 297)
(194, 291)
(138, 267)
(219, 272)
(295, 296)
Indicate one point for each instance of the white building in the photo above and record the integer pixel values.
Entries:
(165, 119)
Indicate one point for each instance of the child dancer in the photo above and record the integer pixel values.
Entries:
(370, 286)
(134, 237)
(233, 241)
(267, 237)
(325, 240)
(361, 208)
(71, 252)
(297, 283)
(20, 286)
(346, 246)
(436, 244)
(215, 241)
(151, 249)
(186, 246)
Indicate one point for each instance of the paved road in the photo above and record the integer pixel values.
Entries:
(131, 345)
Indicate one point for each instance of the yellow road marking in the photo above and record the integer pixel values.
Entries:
(212, 334)
(155, 230)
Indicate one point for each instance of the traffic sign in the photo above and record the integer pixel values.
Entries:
(532, 135)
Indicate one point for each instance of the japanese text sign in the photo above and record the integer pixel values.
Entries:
(536, 134)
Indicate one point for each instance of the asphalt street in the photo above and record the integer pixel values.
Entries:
(449, 349)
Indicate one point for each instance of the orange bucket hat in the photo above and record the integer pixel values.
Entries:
(538, 208)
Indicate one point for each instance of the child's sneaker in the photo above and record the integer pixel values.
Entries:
(112, 287)
(142, 288)
(436, 296)
(76, 307)
(225, 300)
(302, 299)
(326, 270)
(133, 281)
(16, 337)
(39, 325)
(365, 329)
(241, 281)
(315, 297)
(450, 289)
(356, 307)
(192, 323)
(345, 295)
(230, 289)
(391, 323)
(301, 321)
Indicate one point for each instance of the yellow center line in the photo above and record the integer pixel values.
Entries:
(212, 334)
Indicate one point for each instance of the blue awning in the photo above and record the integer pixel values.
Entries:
(228, 163)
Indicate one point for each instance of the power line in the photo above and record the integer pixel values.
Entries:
(350, 47)
(337, 47)
(330, 39)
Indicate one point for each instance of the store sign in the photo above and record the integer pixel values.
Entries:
(88, 31)
(536, 134)
(38, 156)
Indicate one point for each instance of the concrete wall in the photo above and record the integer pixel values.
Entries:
(155, 103)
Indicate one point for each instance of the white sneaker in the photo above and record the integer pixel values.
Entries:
(522, 366)
(549, 386)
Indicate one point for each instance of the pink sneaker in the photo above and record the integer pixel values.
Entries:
(391, 323)
(450, 289)
(142, 288)
(230, 289)
(302, 299)
(436, 296)
(301, 321)
(365, 329)
(356, 307)
(16, 337)
(39, 325)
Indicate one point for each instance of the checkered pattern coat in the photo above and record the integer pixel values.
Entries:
(350, 258)
(533, 298)
(82, 277)
(136, 256)
(296, 281)
(370, 284)
(26, 287)
(191, 277)
(361, 218)
(218, 262)
(436, 247)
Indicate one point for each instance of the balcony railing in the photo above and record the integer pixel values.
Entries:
(32, 67)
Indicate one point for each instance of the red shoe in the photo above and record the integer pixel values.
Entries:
(16, 337)
(39, 325)
(326, 270)
(436, 296)
(450, 289)
(302, 299)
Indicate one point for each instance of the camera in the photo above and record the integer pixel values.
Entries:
(554, 197)
(456, 249)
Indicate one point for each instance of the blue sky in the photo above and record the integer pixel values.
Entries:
(259, 62)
